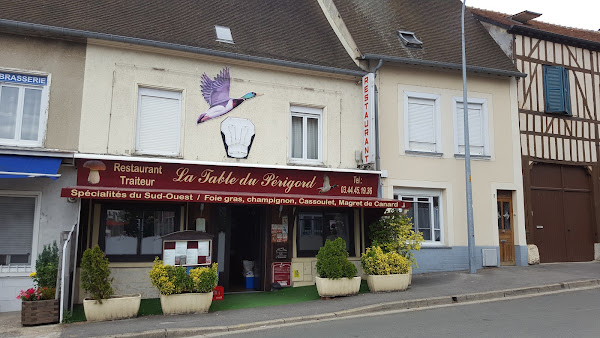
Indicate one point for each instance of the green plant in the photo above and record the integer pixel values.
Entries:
(170, 279)
(67, 317)
(376, 262)
(204, 279)
(393, 233)
(46, 267)
(95, 274)
(160, 277)
(332, 260)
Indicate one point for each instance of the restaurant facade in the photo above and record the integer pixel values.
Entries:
(266, 222)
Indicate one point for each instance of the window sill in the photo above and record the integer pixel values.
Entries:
(475, 157)
(137, 153)
(427, 246)
(562, 113)
(306, 163)
(423, 153)
(18, 144)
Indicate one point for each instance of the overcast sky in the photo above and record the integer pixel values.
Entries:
(571, 13)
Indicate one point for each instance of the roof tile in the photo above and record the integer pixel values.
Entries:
(295, 31)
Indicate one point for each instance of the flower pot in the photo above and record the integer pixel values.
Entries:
(338, 287)
(387, 283)
(38, 312)
(186, 303)
(117, 307)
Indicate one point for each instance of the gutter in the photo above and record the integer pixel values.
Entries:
(377, 158)
(23, 27)
(446, 65)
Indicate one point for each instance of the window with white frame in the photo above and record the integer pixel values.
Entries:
(478, 127)
(306, 135)
(18, 215)
(422, 127)
(159, 122)
(425, 211)
(23, 109)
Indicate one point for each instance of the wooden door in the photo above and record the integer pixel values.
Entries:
(563, 218)
(505, 228)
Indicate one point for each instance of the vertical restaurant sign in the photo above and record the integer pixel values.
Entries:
(368, 112)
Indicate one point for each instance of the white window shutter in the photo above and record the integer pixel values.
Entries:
(421, 124)
(159, 122)
(16, 228)
(476, 128)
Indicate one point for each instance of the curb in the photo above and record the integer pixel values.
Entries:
(398, 305)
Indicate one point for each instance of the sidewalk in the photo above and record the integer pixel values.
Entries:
(426, 289)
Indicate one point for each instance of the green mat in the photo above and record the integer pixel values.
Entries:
(231, 301)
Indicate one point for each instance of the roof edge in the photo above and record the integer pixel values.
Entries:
(19, 26)
(437, 64)
(577, 42)
(483, 18)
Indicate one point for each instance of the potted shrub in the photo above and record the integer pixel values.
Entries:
(96, 281)
(385, 271)
(393, 233)
(336, 273)
(39, 304)
(181, 292)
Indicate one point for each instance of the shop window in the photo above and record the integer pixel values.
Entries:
(478, 127)
(306, 135)
(23, 109)
(18, 214)
(314, 227)
(133, 232)
(159, 122)
(425, 213)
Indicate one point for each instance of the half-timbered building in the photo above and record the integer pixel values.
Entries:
(559, 124)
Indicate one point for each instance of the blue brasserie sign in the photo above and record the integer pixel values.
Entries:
(23, 78)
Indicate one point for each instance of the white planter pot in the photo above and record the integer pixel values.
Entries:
(387, 283)
(338, 287)
(117, 307)
(410, 276)
(186, 303)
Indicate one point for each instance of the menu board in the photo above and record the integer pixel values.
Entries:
(187, 253)
(281, 273)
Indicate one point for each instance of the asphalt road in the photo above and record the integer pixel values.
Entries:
(569, 314)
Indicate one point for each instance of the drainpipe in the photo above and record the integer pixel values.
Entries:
(377, 158)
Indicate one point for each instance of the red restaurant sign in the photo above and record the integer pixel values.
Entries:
(150, 181)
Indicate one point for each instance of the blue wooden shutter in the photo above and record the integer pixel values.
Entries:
(566, 92)
(556, 89)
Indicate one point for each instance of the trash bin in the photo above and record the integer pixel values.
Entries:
(250, 282)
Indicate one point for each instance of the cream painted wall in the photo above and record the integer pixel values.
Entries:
(502, 170)
(114, 73)
(64, 63)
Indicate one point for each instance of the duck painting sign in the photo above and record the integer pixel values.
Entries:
(216, 93)
(368, 111)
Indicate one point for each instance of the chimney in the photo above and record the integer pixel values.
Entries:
(525, 16)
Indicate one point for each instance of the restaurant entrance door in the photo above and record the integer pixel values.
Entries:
(245, 248)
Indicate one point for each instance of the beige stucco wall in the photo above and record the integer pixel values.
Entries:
(501, 171)
(114, 74)
(64, 63)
